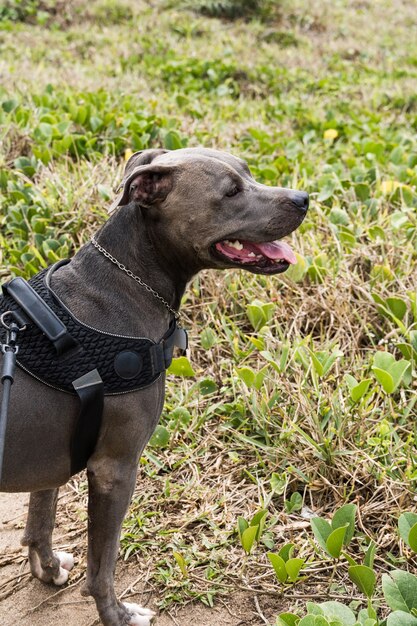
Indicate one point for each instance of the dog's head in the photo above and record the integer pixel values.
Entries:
(203, 209)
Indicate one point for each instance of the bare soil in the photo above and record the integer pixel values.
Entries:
(26, 601)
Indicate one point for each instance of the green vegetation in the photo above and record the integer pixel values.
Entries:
(302, 395)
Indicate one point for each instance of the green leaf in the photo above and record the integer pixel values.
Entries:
(334, 543)
(345, 515)
(293, 567)
(412, 538)
(160, 437)
(397, 306)
(207, 386)
(258, 520)
(247, 375)
(181, 367)
(181, 414)
(314, 609)
(287, 619)
(181, 563)
(278, 564)
(172, 140)
(286, 551)
(248, 538)
(388, 371)
(321, 530)
(278, 483)
(349, 559)
(400, 590)
(397, 371)
(310, 620)
(297, 271)
(259, 377)
(336, 611)
(400, 618)
(9, 105)
(357, 390)
(256, 316)
(364, 578)
(384, 379)
(406, 522)
(295, 503)
(208, 338)
(242, 525)
(370, 555)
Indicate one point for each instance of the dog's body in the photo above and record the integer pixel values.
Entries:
(179, 212)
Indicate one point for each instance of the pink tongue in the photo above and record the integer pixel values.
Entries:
(277, 250)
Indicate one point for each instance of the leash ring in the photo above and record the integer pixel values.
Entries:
(5, 325)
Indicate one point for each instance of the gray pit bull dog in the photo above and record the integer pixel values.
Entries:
(177, 213)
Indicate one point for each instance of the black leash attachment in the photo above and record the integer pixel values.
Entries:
(9, 350)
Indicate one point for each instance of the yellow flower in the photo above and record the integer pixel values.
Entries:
(128, 154)
(330, 133)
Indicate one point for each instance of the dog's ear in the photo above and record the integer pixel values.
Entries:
(136, 161)
(148, 184)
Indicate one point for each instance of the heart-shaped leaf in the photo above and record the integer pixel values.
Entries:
(321, 530)
(278, 564)
(248, 538)
(412, 538)
(287, 619)
(338, 612)
(397, 371)
(242, 525)
(345, 515)
(293, 567)
(406, 522)
(258, 520)
(181, 367)
(160, 437)
(334, 543)
(358, 390)
(384, 378)
(286, 551)
(400, 590)
(400, 618)
(364, 578)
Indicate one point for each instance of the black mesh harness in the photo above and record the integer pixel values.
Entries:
(60, 351)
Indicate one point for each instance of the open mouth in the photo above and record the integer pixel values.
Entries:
(269, 257)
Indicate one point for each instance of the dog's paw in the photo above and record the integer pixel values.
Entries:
(66, 562)
(140, 616)
(62, 577)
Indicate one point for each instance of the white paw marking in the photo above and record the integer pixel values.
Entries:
(62, 577)
(66, 560)
(140, 616)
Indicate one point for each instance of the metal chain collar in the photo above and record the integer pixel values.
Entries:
(124, 269)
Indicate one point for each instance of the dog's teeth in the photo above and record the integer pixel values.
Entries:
(235, 244)
(251, 254)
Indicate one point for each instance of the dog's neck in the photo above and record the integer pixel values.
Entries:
(101, 294)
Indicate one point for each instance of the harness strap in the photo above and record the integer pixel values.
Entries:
(90, 391)
(40, 313)
(162, 352)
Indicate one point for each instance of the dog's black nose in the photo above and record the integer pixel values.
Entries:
(301, 200)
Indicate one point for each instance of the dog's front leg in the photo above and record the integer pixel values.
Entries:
(111, 483)
(48, 566)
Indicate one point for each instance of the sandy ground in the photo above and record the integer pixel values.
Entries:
(31, 603)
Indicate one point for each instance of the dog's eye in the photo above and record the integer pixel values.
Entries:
(233, 191)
